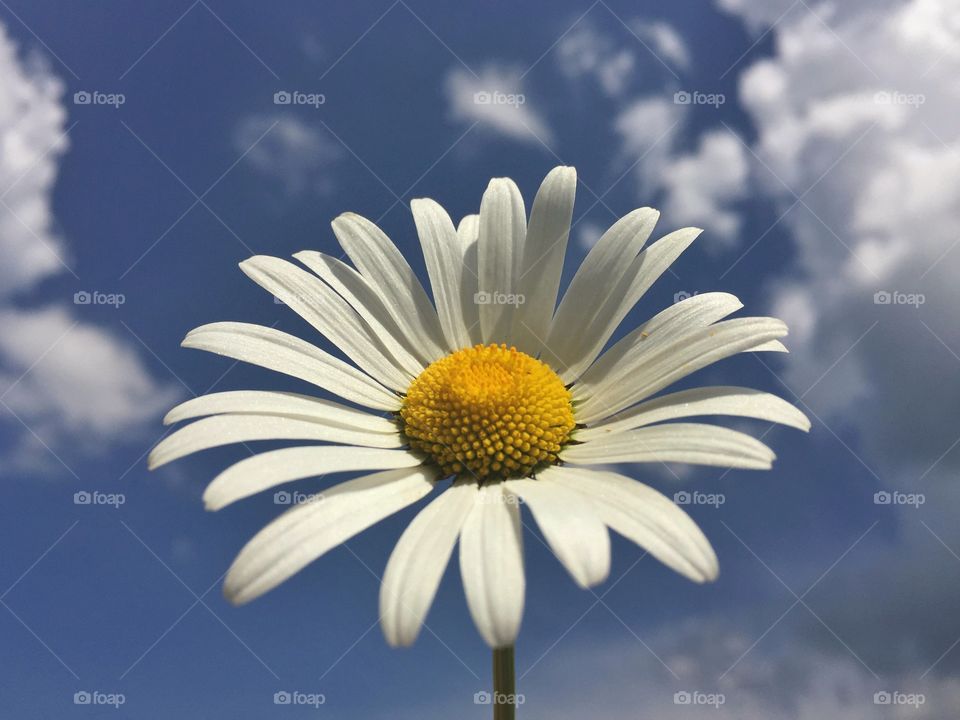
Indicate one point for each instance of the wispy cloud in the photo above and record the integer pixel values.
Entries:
(585, 53)
(495, 99)
(298, 155)
(665, 42)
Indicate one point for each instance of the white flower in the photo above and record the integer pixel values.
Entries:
(493, 385)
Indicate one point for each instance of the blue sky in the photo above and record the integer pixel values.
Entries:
(817, 145)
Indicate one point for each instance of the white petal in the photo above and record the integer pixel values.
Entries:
(723, 400)
(630, 352)
(620, 297)
(307, 531)
(682, 355)
(604, 265)
(770, 346)
(491, 564)
(266, 470)
(503, 230)
(542, 262)
(443, 254)
(417, 563)
(693, 443)
(572, 528)
(330, 314)
(382, 265)
(290, 355)
(237, 428)
(644, 516)
(468, 232)
(407, 344)
(267, 402)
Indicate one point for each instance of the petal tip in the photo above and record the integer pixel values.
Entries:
(155, 459)
(211, 501)
(345, 218)
(568, 171)
(232, 594)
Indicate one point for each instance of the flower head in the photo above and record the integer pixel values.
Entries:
(489, 412)
(492, 386)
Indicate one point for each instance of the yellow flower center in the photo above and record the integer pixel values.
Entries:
(488, 412)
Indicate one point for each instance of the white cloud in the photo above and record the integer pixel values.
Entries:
(698, 186)
(759, 13)
(856, 111)
(288, 150)
(495, 99)
(862, 109)
(78, 381)
(585, 53)
(588, 233)
(31, 142)
(73, 385)
(648, 129)
(624, 678)
(690, 188)
(665, 42)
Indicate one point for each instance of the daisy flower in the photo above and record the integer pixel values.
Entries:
(492, 392)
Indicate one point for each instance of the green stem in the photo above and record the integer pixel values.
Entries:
(504, 684)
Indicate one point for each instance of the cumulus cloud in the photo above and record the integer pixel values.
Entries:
(700, 186)
(73, 381)
(32, 139)
(289, 151)
(495, 100)
(855, 113)
(690, 187)
(860, 116)
(696, 188)
(65, 384)
(648, 129)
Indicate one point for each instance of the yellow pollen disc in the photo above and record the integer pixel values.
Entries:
(488, 411)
